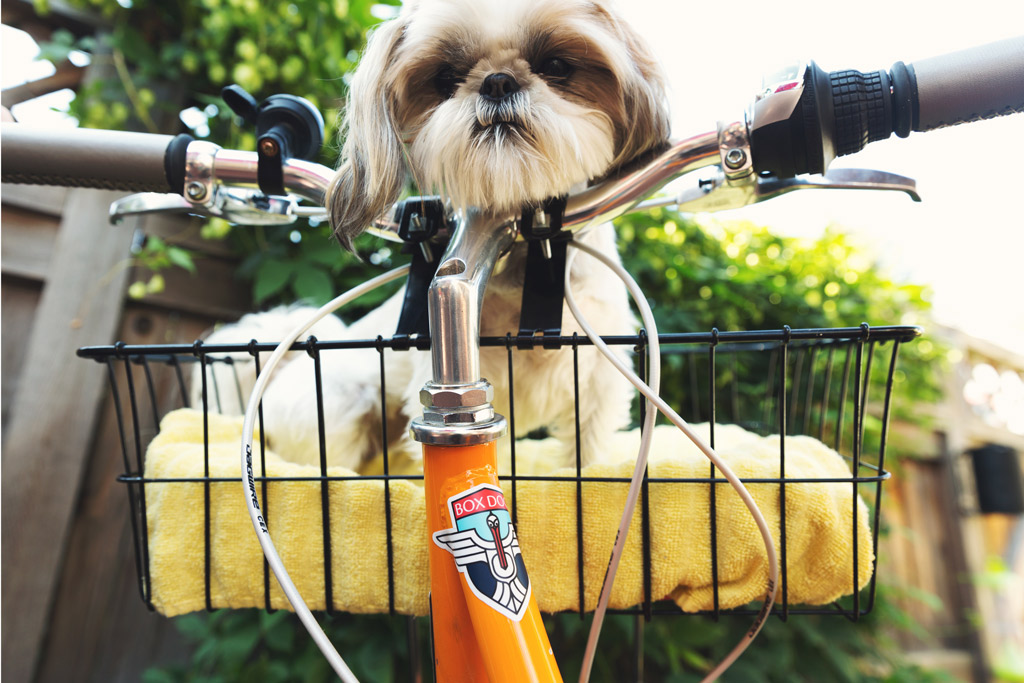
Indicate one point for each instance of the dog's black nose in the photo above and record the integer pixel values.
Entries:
(499, 86)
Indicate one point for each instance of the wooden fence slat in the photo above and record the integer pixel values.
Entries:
(47, 440)
(101, 631)
(28, 243)
(45, 199)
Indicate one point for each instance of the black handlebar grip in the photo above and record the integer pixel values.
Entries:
(82, 157)
(174, 162)
(862, 107)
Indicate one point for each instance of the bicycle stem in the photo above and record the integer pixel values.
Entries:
(457, 403)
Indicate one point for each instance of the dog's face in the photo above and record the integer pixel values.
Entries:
(495, 104)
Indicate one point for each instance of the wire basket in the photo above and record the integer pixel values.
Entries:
(827, 383)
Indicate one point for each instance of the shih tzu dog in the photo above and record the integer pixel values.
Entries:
(498, 105)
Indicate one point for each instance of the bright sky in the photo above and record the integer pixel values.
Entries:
(966, 239)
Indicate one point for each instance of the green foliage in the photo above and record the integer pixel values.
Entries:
(254, 645)
(684, 650)
(273, 648)
(725, 276)
(744, 277)
(170, 56)
(156, 255)
(193, 48)
(289, 264)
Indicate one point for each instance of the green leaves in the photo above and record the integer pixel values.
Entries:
(288, 264)
(744, 277)
(314, 285)
(275, 648)
(310, 284)
(300, 47)
(271, 277)
(155, 256)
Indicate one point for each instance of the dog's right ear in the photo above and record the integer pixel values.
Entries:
(371, 172)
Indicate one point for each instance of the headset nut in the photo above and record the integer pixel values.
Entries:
(457, 396)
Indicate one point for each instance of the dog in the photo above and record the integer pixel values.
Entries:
(497, 105)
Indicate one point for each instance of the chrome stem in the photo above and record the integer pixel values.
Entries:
(457, 292)
(457, 403)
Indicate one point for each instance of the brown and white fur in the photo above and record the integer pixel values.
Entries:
(494, 104)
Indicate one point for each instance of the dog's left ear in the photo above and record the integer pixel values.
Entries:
(645, 125)
(372, 170)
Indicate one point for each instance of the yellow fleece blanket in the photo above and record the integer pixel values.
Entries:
(819, 528)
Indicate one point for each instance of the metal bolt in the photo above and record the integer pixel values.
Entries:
(196, 191)
(455, 397)
(428, 255)
(545, 249)
(735, 158)
(268, 147)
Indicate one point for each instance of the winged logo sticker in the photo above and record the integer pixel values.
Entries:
(485, 547)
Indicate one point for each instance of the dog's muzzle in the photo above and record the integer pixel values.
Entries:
(507, 111)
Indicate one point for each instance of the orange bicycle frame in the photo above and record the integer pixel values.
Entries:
(485, 623)
(472, 640)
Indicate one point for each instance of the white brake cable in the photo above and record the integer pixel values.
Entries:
(248, 483)
(651, 394)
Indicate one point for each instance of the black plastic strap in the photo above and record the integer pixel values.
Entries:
(419, 220)
(271, 151)
(414, 320)
(543, 292)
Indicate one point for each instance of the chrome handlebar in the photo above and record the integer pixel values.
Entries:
(222, 183)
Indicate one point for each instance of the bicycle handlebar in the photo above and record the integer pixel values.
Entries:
(796, 127)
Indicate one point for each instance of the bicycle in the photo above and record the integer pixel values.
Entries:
(758, 161)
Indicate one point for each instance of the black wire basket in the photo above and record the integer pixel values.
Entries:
(826, 383)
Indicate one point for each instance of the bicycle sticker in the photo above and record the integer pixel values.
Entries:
(485, 547)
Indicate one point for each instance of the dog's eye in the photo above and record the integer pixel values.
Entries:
(555, 67)
(446, 81)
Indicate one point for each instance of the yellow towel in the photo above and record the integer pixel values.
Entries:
(819, 527)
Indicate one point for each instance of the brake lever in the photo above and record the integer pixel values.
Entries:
(722, 193)
(245, 206)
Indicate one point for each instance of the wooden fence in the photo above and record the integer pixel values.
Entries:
(70, 611)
